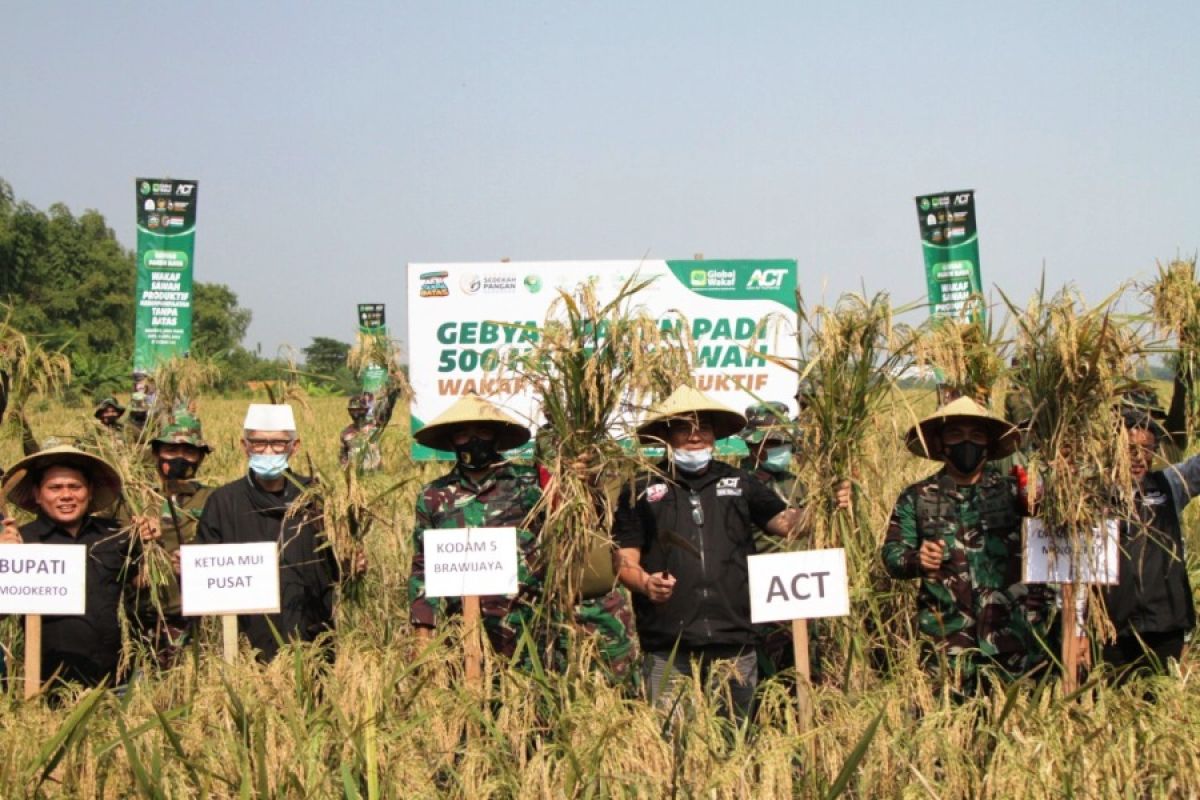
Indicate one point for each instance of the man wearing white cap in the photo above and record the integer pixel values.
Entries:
(259, 507)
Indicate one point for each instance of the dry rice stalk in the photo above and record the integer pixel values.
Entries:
(966, 354)
(1175, 307)
(179, 380)
(380, 350)
(27, 369)
(1073, 363)
(594, 365)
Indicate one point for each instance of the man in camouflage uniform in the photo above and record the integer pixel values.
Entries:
(360, 439)
(179, 451)
(109, 412)
(959, 532)
(484, 490)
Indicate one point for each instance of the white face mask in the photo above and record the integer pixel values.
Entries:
(692, 460)
(268, 465)
(778, 459)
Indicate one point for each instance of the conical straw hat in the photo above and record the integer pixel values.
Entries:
(469, 409)
(19, 485)
(1003, 436)
(687, 402)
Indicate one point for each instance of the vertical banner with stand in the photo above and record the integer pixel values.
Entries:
(950, 242)
(166, 236)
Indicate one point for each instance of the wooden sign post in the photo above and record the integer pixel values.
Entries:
(33, 655)
(1050, 557)
(37, 580)
(227, 580)
(471, 563)
(799, 586)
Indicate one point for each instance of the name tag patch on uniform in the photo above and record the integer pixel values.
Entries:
(728, 487)
(1154, 499)
(656, 492)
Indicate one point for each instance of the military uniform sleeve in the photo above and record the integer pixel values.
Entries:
(902, 542)
(628, 530)
(423, 611)
(765, 503)
(209, 528)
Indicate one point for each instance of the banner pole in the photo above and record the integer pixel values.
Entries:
(33, 655)
(229, 637)
(472, 648)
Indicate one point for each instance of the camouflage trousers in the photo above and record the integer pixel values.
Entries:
(968, 672)
(607, 622)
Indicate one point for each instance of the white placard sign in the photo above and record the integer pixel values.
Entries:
(229, 578)
(1047, 556)
(43, 579)
(802, 585)
(463, 562)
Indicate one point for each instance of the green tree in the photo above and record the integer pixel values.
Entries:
(325, 356)
(218, 323)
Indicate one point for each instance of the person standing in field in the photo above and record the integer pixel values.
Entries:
(482, 490)
(959, 533)
(64, 487)
(266, 505)
(179, 451)
(683, 534)
(1152, 608)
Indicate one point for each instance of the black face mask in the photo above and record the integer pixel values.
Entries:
(966, 456)
(177, 469)
(477, 453)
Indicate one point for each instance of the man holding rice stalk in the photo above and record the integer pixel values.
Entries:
(1152, 608)
(485, 490)
(683, 535)
(959, 532)
(179, 451)
(64, 487)
(268, 504)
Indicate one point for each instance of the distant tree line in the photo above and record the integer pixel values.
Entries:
(70, 283)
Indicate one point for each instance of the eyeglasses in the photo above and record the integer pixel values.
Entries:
(697, 511)
(263, 445)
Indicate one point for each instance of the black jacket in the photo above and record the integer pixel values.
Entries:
(705, 551)
(86, 648)
(241, 512)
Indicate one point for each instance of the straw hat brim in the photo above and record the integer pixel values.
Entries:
(18, 487)
(1003, 437)
(472, 410)
(689, 403)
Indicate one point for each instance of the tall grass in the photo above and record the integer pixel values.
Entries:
(392, 717)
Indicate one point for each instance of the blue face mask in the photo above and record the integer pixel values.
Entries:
(692, 460)
(778, 459)
(268, 465)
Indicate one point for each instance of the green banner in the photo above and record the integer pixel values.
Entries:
(372, 323)
(950, 242)
(166, 235)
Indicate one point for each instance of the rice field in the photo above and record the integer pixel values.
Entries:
(389, 717)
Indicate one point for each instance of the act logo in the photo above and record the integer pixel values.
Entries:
(767, 279)
(185, 189)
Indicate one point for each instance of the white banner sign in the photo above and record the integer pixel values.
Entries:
(468, 322)
(802, 585)
(43, 579)
(463, 562)
(229, 578)
(1048, 557)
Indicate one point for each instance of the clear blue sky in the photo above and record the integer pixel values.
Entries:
(335, 142)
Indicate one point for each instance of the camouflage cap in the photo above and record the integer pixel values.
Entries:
(108, 402)
(767, 421)
(183, 428)
(357, 403)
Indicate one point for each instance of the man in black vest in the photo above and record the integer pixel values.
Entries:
(1152, 608)
(683, 537)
